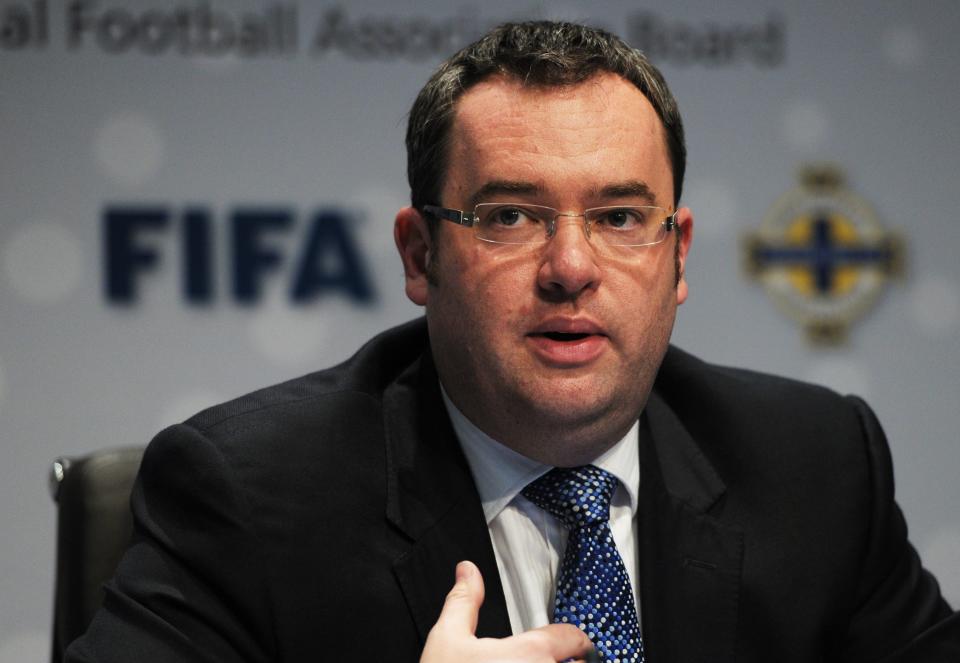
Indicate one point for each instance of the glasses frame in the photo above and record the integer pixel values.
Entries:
(471, 219)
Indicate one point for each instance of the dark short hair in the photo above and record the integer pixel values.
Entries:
(538, 53)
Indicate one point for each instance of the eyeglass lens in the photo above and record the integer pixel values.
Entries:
(508, 223)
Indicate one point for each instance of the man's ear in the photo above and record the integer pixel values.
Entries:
(685, 232)
(414, 243)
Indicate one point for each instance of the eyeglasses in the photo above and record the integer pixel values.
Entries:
(516, 223)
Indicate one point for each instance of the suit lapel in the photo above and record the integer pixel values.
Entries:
(690, 563)
(431, 497)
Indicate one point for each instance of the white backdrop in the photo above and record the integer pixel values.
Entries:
(113, 105)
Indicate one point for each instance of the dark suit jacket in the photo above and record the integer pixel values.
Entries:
(321, 520)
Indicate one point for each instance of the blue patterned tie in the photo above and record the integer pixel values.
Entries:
(593, 590)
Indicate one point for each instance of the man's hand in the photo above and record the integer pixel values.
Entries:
(452, 638)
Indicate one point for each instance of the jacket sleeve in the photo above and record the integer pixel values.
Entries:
(900, 614)
(191, 586)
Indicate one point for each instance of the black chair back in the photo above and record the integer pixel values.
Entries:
(93, 529)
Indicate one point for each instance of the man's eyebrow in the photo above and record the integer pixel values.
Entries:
(500, 187)
(628, 189)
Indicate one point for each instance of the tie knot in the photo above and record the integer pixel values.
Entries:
(576, 495)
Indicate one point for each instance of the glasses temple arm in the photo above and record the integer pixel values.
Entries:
(454, 215)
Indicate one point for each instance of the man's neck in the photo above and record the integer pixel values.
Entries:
(546, 442)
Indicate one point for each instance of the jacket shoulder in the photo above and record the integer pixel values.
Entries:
(362, 378)
(686, 378)
(743, 418)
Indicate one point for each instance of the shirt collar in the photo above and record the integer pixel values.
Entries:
(501, 473)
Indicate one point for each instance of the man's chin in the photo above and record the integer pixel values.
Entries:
(569, 411)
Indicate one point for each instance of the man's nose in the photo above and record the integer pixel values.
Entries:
(569, 263)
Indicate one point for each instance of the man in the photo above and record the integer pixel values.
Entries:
(536, 424)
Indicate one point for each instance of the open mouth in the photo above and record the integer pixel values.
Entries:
(568, 342)
(565, 337)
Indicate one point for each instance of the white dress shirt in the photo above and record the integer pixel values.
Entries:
(529, 542)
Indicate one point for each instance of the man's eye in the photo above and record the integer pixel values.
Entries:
(622, 219)
(509, 216)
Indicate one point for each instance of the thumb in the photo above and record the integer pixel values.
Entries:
(460, 610)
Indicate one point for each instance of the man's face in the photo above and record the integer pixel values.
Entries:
(550, 349)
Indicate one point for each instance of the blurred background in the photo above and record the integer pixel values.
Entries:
(198, 197)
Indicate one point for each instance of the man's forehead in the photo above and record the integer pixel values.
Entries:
(504, 109)
(506, 131)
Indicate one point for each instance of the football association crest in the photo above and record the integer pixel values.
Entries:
(822, 254)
